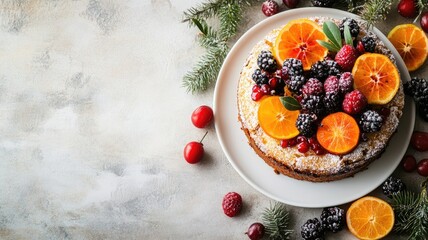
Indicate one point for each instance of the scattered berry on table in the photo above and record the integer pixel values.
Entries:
(407, 8)
(409, 163)
(423, 167)
(354, 102)
(392, 186)
(232, 204)
(260, 77)
(332, 102)
(312, 230)
(295, 83)
(202, 116)
(256, 231)
(424, 21)
(419, 141)
(193, 152)
(306, 124)
(370, 121)
(417, 87)
(320, 70)
(352, 24)
(313, 104)
(292, 67)
(291, 3)
(369, 44)
(313, 87)
(270, 8)
(346, 57)
(322, 3)
(331, 85)
(333, 219)
(346, 82)
(266, 62)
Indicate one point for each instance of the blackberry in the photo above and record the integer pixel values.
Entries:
(305, 123)
(334, 68)
(295, 83)
(320, 70)
(312, 230)
(313, 104)
(368, 43)
(352, 24)
(418, 88)
(266, 61)
(333, 219)
(292, 67)
(322, 3)
(260, 77)
(313, 87)
(371, 121)
(332, 102)
(392, 186)
(423, 109)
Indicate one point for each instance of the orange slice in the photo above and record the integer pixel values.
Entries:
(370, 218)
(297, 39)
(412, 44)
(376, 77)
(338, 133)
(275, 120)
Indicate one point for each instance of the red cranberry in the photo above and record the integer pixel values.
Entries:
(256, 88)
(312, 140)
(292, 142)
(202, 116)
(273, 83)
(256, 231)
(284, 143)
(424, 22)
(407, 8)
(303, 147)
(301, 139)
(419, 141)
(360, 47)
(256, 96)
(265, 89)
(408, 163)
(278, 74)
(423, 167)
(291, 3)
(270, 8)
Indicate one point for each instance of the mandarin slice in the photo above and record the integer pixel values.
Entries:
(298, 39)
(275, 120)
(376, 77)
(338, 133)
(411, 43)
(370, 218)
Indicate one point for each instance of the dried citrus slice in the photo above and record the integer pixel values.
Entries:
(370, 218)
(298, 39)
(338, 133)
(275, 120)
(376, 77)
(412, 44)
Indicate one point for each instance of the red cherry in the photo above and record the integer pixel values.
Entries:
(407, 8)
(424, 22)
(194, 151)
(419, 141)
(202, 116)
(303, 147)
(423, 167)
(256, 231)
(409, 163)
(290, 3)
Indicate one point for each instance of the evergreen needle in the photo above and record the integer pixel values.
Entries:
(276, 221)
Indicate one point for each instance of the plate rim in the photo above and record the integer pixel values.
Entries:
(320, 12)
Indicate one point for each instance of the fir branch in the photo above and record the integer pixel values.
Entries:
(204, 10)
(276, 220)
(374, 11)
(208, 37)
(422, 5)
(230, 16)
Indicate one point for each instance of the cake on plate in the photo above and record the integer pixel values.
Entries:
(320, 98)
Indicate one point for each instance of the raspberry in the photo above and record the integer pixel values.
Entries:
(296, 83)
(332, 102)
(370, 121)
(312, 87)
(270, 8)
(352, 24)
(260, 77)
(322, 3)
(331, 85)
(320, 70)
(305, 123)
(313, 104)
(292, 67)
(266, 61)
(368, 43)
(354, 102)
(232, 204)
(346, 57)
(346, 82)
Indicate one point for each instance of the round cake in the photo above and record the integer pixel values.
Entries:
(310, 154)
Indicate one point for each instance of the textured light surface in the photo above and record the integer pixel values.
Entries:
(93, 122)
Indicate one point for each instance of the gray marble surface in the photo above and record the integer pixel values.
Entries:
(93, 121)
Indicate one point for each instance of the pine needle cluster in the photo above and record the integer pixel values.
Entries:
(411, 213)
(276, 221)
(374, 11)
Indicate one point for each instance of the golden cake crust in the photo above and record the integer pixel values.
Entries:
(309, 166)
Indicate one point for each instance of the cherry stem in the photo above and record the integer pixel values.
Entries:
(203, 137)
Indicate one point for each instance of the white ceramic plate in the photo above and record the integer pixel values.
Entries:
(261, 176)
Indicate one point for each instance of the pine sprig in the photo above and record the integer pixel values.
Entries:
(411, 212)
(422, 5)
(203, 11)
(276, 221)
(230, 16)
(374, 11)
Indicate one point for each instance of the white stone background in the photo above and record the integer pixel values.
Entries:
(93, 121)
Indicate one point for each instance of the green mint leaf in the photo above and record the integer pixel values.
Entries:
(347, 34)
(332, 31)
(290, 103)
(329, 46)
